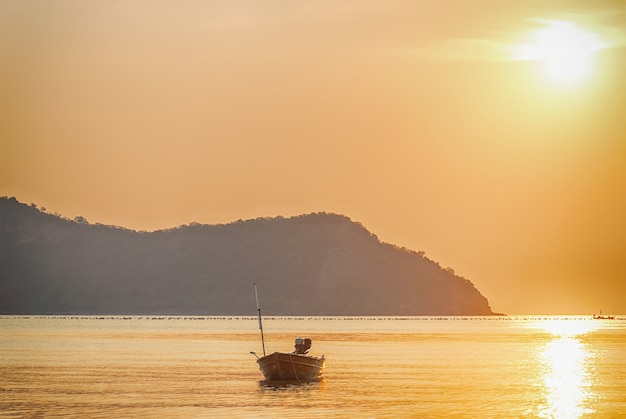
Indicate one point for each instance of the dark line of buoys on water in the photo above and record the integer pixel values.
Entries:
(296, 318)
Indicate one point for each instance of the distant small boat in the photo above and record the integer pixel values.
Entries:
(602, 317)
(294, 366)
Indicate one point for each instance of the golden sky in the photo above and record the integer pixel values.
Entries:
(490, 134)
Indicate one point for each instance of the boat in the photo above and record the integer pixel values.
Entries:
(296, 366)
(292, 366)
(602, 317)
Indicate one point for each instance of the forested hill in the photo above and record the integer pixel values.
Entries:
(316, 264)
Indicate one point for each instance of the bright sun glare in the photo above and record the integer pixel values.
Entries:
(565, 50)
(566, 372)
(566, 379)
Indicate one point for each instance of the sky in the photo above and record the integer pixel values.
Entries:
(490, 135)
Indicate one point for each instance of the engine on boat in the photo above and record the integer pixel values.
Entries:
(302, 346)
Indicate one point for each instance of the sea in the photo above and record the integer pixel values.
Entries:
(376, 367)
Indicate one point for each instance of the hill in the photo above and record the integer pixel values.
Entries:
(315, 264)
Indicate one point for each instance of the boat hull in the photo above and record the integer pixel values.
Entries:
(281, 366)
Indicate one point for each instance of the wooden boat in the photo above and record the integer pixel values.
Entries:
(281, 366)
(294, 366)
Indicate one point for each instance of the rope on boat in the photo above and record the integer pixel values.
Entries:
(293, 367)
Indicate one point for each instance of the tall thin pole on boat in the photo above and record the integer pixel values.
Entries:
(258, 309)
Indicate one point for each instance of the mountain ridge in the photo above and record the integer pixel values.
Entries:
(312, 264)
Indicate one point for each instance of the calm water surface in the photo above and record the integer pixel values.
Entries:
(200, 367)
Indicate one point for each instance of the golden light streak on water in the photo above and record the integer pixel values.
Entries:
(566, 368)
(566, 379)
(569, 327)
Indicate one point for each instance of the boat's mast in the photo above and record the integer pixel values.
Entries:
(258, 309)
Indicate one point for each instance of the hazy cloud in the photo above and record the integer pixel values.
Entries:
(504, 45)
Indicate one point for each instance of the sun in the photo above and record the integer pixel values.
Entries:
(564, 49)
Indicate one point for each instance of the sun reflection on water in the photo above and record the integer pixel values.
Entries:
(569, 327)
(566, 370)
